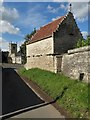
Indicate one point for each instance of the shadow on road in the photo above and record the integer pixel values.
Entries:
(41, 105)
(16, 94)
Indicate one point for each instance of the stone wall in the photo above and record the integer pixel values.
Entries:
(39, 54)
(40, 48)
(58, 63)
(66, 35)
(18, 60)
(76, 64)
(42, 62)
(13, 57)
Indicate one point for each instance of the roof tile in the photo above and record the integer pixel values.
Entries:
(47, 30)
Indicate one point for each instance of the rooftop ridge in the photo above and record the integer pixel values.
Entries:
(52, 21)
(47, 30)
(64, 16)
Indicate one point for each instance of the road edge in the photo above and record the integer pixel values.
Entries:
(44, 96)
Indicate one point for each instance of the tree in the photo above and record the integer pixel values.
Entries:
(82, 42)
(23, 52)
(28, 36)
(88, 40)
(23, 46)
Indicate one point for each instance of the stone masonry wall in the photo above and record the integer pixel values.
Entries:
(42, 62)
(40, 48)
(76, 64)
(13, 58)
(66, 36)
(39, 54)
(18, 59)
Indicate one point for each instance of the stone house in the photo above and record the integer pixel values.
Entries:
(50, 42)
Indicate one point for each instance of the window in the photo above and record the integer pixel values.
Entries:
(13, 47)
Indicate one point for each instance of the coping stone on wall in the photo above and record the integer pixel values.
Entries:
(81, 49)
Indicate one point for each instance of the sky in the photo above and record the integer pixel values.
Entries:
(20, 18)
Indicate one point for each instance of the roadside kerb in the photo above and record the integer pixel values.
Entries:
(39, 92)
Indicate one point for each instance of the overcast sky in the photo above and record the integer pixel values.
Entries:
(20, 18)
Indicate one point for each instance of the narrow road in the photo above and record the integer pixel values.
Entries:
(16, 94)
(19, 101)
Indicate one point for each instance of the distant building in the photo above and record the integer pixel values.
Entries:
(14, 56)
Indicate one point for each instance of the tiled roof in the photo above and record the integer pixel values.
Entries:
(47, 30)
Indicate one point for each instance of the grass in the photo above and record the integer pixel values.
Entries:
(75, 99)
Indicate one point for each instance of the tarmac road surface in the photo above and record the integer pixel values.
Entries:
(17, 96)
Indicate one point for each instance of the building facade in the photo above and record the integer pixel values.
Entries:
(50, 42)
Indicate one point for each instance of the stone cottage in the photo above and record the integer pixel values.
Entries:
(50, 42)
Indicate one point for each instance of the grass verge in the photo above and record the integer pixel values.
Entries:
(75, 98)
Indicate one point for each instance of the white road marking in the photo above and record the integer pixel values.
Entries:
(23, 109)
(32, 89)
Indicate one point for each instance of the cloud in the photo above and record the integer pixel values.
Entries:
(7, 18)
(19, 43)
(62, 6)
(4, 44)
(49, 7)
(6, 27)
(9, 14)
(34, 18)
(79, 9)
(56, 0)
(28, 1)
(85, 34)
(55, 18)
(1, 1)
(52, 9)
(48, 0)
(70, 1)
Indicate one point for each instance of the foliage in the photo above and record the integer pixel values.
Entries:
(82, 42)
(23, 46)
(23, 52)
(28, 36)
(75, 99)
